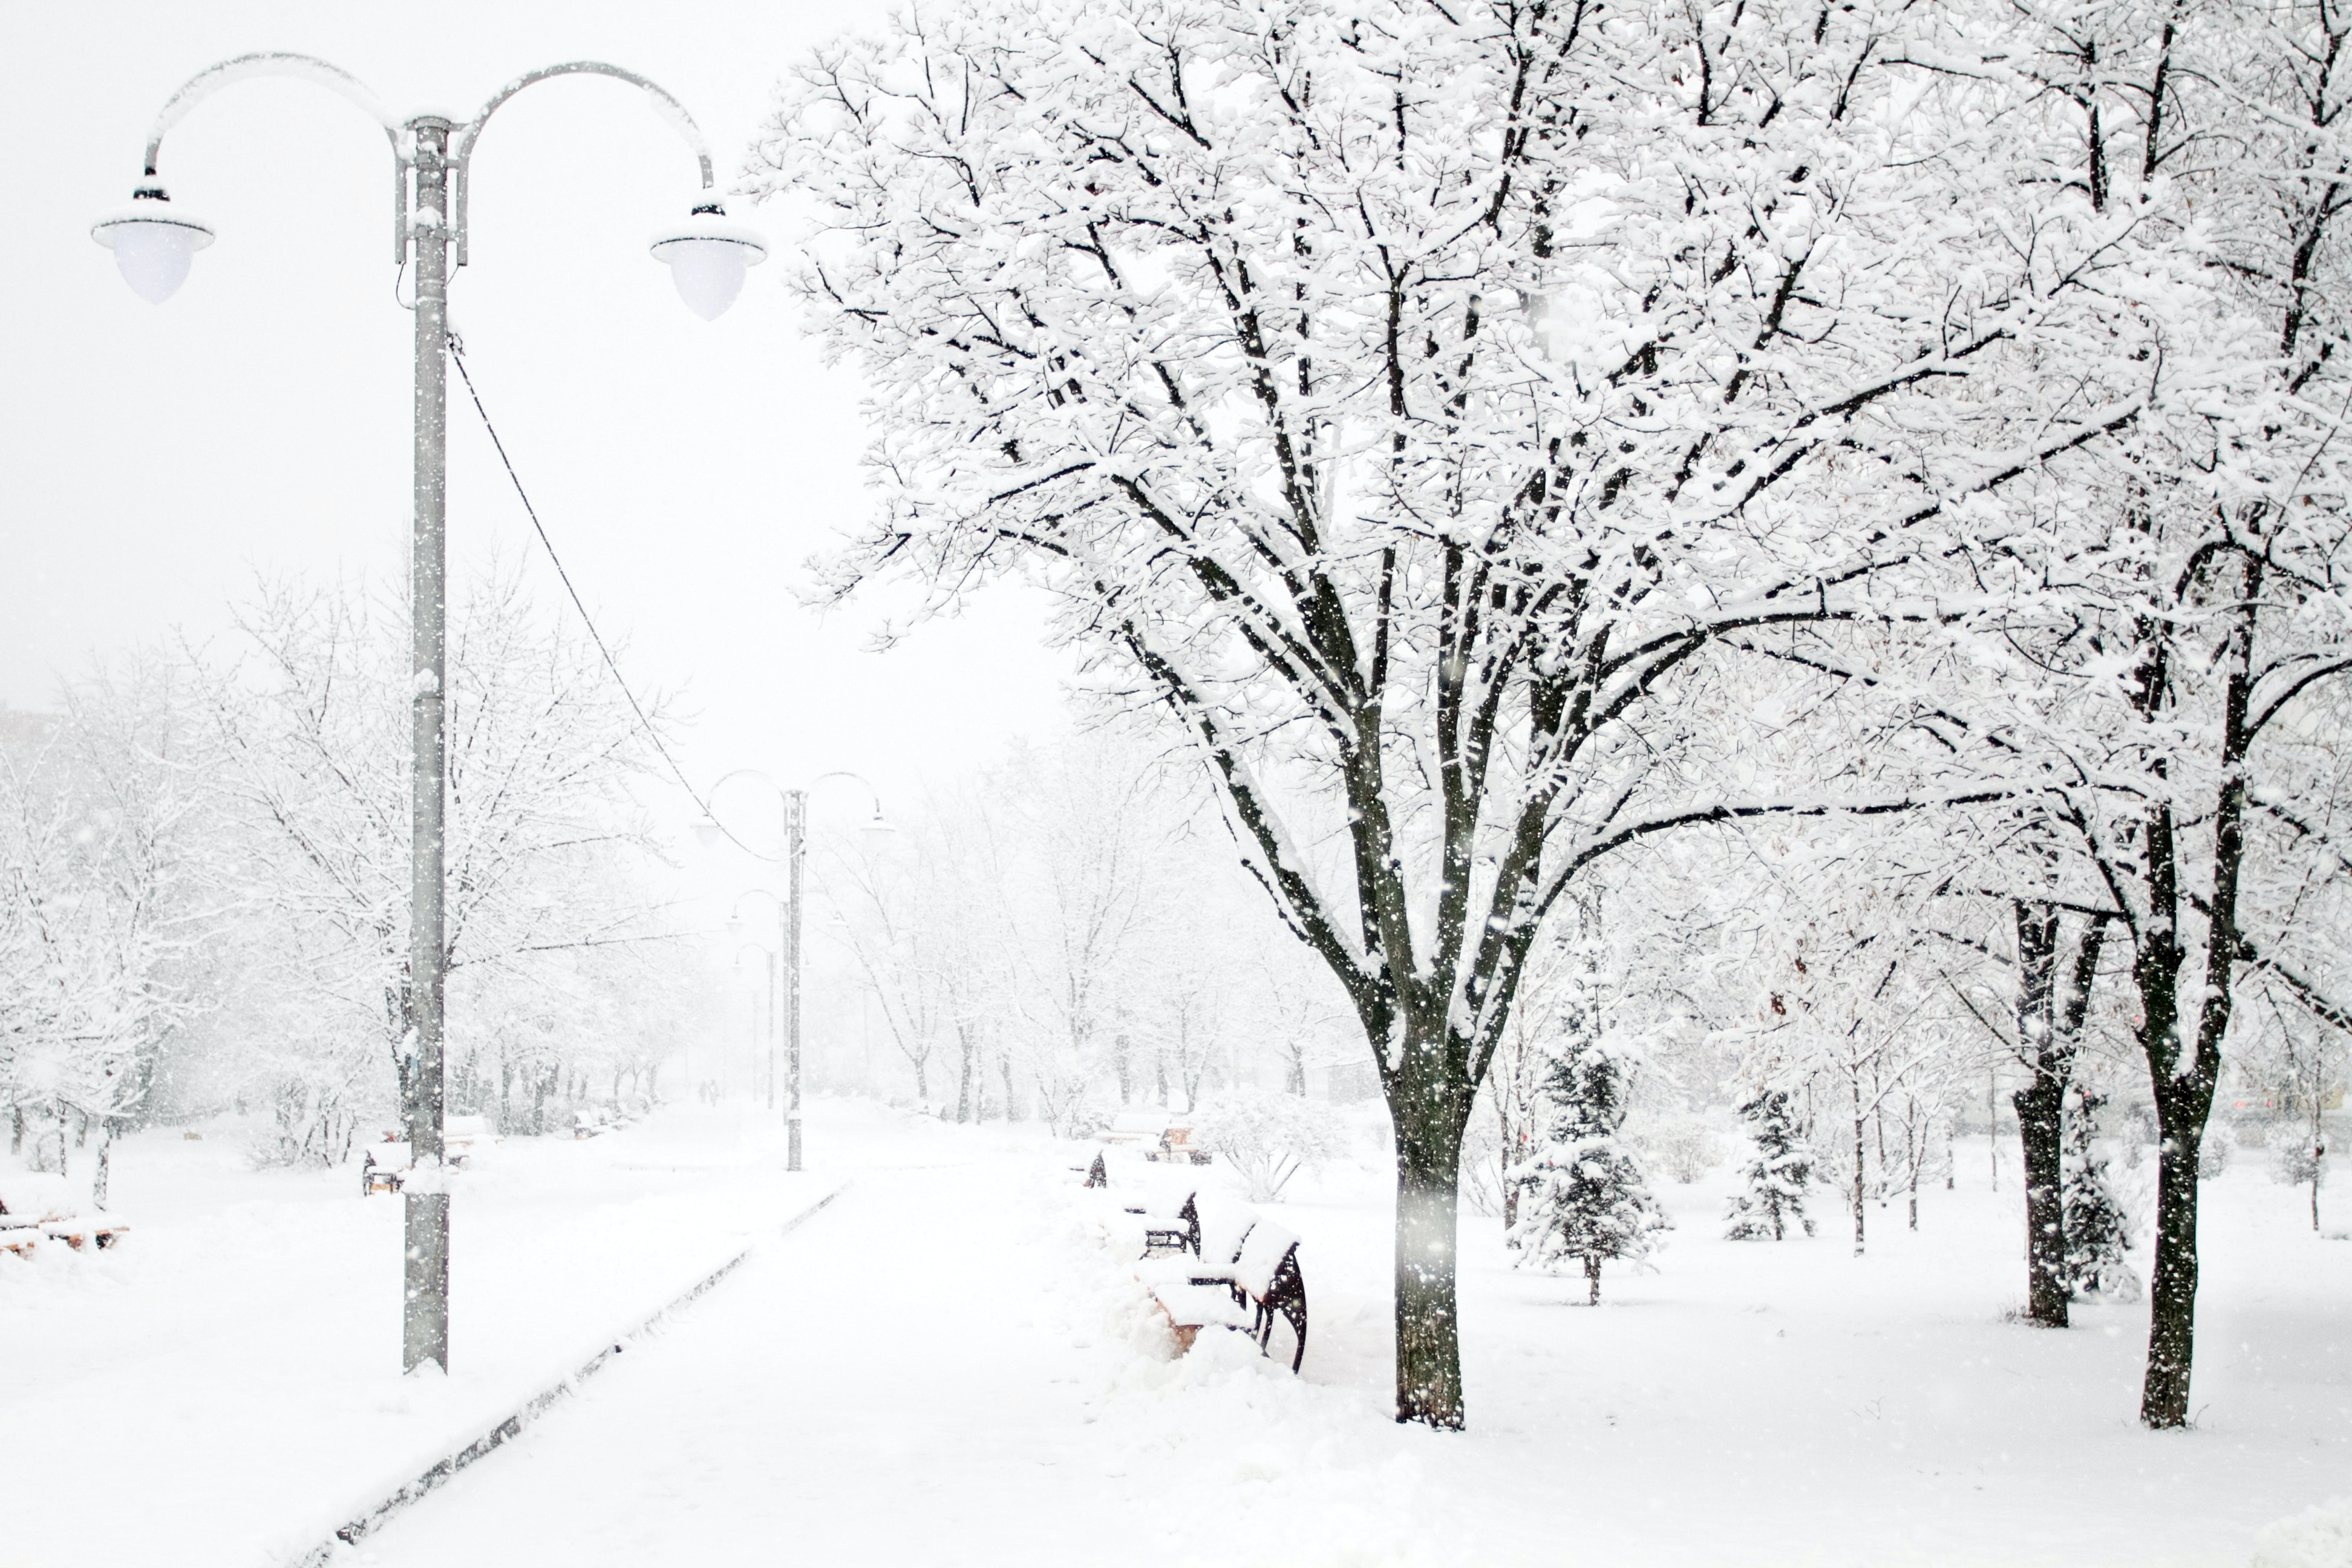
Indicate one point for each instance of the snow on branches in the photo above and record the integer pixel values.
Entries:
(1417, 402)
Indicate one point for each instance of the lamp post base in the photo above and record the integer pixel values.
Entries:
(425, 1294)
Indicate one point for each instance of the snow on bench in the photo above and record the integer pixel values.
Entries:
(37, 1208)
(1172, 1222)
(385, 1166)
(1241, 1272)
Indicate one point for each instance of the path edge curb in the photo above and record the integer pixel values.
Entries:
(349, 1535)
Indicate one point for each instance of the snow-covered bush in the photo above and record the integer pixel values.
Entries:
(1776, 1175)
(2297, 1162)
(2212, 1155)
(1584, 1198)
(1685, 1149)
(2098, 1232)
(2253, 1134)
(1267, 1137)
(1485, 1179)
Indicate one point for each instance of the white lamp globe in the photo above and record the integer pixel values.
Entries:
(152, 244)
(706, 257)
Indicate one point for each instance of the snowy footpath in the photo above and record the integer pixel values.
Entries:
(952, 1364)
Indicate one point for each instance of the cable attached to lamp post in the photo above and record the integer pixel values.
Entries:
(153, 244)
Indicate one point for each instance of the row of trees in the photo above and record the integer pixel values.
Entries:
(1501, 438)
(1051, 936)
(205, 864)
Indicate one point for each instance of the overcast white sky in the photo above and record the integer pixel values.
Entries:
(154, 459)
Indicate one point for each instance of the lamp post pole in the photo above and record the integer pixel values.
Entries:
(797, 841)
(425, 1276)
(432, 157)
(795, 858)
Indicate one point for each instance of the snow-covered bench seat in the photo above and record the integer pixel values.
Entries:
(385, 1166)
(39, 1207)
(463, 1137)
(75, 1233)
(1169, 1224)
(1242, 1275)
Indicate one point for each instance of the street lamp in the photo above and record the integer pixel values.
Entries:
(153, 243)
(795, 808)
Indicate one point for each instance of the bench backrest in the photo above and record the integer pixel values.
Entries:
(1260, 1256)
(1224, 1235)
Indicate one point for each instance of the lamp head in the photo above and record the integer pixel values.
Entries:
(152, 244)
(879, 831)
(706, 257)
(709, 834)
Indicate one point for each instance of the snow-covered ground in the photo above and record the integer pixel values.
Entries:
(950, 1363)
(224, 1386)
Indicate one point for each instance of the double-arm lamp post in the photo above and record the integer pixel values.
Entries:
(795, 852)
(432, 156)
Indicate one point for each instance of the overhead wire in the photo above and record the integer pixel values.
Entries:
(457, 357)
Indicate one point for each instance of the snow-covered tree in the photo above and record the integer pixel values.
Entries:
(308, 743)
(1776, 1176)
(1267, 1137)
(1584, 1197)
(2097, 1232)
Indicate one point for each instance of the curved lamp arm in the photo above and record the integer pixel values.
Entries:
(461, 152)
(272, 62)
(735, 910)
(871, 792)
(306, 67)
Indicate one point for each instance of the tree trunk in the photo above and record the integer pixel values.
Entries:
(1506, 1159)
(2041, 1134)
(1428, 1334)
(963, 1081)
(1854, 1078)
(1593, 1278)
(2172, 1293)
(1011, 1106)
(2318, 1149)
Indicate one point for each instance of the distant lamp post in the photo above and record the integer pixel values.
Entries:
(153, 243)
(711, 835)
(738, 924)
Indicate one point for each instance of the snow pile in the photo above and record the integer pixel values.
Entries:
(2318, 1537)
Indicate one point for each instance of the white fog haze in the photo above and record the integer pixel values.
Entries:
(1243, 781)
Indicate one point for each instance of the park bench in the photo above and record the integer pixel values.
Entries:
(1239, 1271)
(1179, 1144)
(385, 1166)
(75, 1233)
(23, 1230)
(1171, 1222)
(463, 1137)
(1144, 1128)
